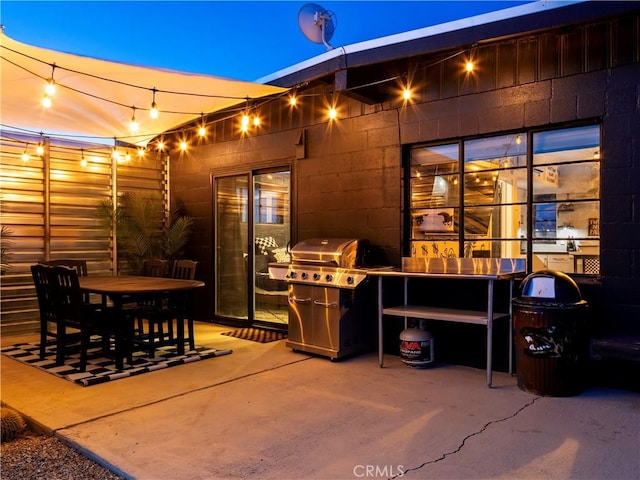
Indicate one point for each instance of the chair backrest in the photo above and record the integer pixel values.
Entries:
(155, 267)
(79, 266)
(44, 292)
(68, 298)
(184, 269)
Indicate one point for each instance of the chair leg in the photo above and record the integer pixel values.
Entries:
(152, 334)
(84, 349)
(43, 338)
(61, 338)
(192, 341)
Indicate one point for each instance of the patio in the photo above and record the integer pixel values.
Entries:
(267, 412)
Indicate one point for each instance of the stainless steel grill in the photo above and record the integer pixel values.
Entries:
(329, 298)
(326, 262)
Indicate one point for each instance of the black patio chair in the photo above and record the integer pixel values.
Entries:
(161, 314)
(62, 306)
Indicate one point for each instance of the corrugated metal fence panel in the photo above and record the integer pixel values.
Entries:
(49, 204)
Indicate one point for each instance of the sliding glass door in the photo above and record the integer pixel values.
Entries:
(247, 240)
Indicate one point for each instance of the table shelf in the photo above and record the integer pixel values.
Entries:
(477, 317)
(442, 314)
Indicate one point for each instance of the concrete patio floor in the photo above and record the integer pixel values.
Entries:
(266, 412)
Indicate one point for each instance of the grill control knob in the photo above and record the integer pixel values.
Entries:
(293, 274)
(304, 275)
(329, 277)
(316, 276)
(350, 280)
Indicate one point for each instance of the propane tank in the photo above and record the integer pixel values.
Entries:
(416, 347)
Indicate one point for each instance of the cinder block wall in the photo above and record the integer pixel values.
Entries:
(349, 182)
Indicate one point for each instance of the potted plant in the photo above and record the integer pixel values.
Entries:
(144, 230)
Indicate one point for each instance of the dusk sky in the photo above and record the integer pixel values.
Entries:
(235, 39)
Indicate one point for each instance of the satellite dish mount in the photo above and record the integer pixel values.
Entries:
(317, 23)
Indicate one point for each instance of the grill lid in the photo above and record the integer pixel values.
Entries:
(336, 252)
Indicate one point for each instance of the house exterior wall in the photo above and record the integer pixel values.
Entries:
(349, 181)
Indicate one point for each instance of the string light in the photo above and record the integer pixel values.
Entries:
(140, 152)
(244, 123)
(183, 143)
(50, 88)
(40, 147)
(153, 113)
(202, 131)
(25, 155)
(133, 124)
(407, 94)
(160, 145)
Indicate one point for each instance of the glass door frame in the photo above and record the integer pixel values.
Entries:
(247, 241)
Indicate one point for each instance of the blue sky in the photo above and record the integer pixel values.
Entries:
(235, 39)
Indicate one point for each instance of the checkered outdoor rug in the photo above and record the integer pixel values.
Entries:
(102, 369)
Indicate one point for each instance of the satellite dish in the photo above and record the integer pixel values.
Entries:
(317, 23)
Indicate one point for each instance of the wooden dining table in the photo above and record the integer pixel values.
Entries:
(131, 288)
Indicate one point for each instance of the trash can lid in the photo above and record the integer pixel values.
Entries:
(550, 286)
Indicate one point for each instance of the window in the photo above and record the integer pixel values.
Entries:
(501, 197)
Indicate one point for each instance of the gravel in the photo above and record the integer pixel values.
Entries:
(33, 456)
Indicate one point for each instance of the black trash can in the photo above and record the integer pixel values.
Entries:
(551, 337)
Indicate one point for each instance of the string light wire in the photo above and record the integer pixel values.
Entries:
(292, 93)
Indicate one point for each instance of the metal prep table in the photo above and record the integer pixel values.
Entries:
(488, 270)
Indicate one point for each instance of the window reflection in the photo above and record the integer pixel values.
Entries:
(493, 219)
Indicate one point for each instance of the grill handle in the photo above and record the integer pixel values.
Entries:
(301, 301)
(326, 304)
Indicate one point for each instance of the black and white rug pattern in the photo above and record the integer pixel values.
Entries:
(101, 369)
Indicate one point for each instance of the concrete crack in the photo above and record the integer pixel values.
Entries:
(464, 440)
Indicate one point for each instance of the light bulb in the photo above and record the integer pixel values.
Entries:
(141, 152)
(83, 162)
(469, 66)
(133, 124)
(160, 145)
(244, 123)
(40, 149)
(25, 156)
(46, 101)
(518, 139)
(333, 113)
(293, 101)
(202, 131)
(50, 89)
(256, 121)
(406, 94)
(127, 157)
(153, 113)
(183, 145)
